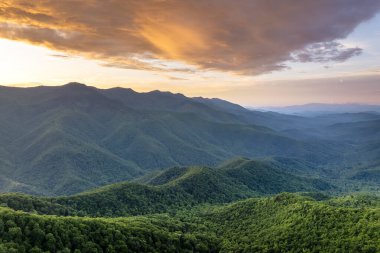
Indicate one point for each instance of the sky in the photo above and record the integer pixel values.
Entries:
(252, 52)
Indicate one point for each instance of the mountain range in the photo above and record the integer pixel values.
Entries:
(67, 139)
(113, 170)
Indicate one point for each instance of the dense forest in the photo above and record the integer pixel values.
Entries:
(196, 209)
(281, 223)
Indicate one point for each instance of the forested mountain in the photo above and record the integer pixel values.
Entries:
(282, 223)
(176, 188)
(67, 139)
(161, 172)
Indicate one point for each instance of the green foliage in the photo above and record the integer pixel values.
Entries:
(33, 233)
(290, 223)
(171, 190)
(360, 200)
(281, 223)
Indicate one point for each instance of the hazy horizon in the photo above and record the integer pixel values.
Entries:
(249, 106)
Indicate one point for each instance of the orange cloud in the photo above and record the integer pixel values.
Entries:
(244, 36)
(174, 41)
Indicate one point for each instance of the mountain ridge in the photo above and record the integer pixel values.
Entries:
(63, 140)
(176, 188)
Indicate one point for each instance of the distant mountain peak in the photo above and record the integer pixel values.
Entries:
(78, 88)
(166, 93)
(122, 89)
(75, 84)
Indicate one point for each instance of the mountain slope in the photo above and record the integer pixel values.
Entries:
(290, 223)
(67, 139)
(174, 189)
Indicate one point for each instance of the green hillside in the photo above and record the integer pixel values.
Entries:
(21, 232)
(282, 223)
(290, 223)
(173, 189)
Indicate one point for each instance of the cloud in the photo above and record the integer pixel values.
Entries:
(60, 55)
(176, 78)
(243, 36)
(325, 52)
